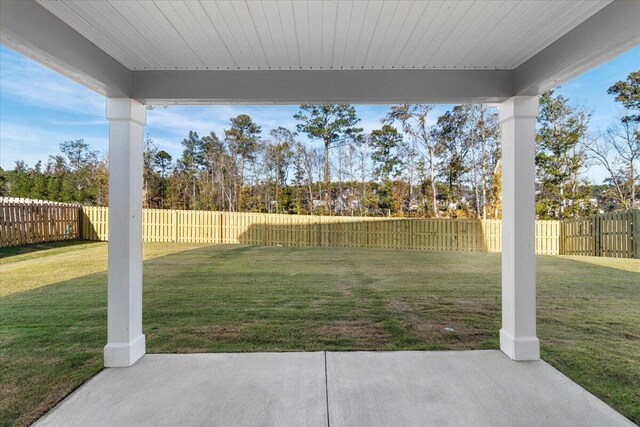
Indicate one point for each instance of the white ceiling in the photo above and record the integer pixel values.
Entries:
(322, 34)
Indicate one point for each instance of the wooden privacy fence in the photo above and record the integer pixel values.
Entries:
(292, 230)
(615, 234)
(25, 221)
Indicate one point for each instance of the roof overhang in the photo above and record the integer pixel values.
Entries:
(29, 28)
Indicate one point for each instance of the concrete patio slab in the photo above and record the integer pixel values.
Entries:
(468, 388)
(251, 389)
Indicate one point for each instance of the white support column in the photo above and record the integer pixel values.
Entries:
(518, 334)
(126, 343)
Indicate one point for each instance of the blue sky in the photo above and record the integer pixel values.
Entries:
(39, 109)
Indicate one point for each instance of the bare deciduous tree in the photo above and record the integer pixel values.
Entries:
(618, 151)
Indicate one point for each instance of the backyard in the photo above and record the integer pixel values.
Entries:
(232, 298)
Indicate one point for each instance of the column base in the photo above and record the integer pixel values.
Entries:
(519, 349)
(120, 355)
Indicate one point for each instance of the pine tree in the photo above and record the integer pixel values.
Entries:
(243, 138)
(560, 159)
(331, 123)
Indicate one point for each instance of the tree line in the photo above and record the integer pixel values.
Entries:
(413, 165)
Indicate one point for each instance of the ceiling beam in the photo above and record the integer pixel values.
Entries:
(30, 29)
(610, 32)
(321, 86)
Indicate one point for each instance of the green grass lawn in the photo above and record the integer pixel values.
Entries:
(236, 298)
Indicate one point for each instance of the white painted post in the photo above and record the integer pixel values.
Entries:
(518, 334)
(126, 343)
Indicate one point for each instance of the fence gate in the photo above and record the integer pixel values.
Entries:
(615, 235)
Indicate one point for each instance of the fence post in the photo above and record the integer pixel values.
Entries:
(220, 228)
(47, 234)
(597, 238)
(635, 232)
(265, 232)
(561, 234)
(174, 226)
(80, 221)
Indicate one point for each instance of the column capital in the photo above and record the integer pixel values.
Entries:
(518, 106)
(126, 109)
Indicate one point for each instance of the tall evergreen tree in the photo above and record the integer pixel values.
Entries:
(452, 147)
(186, 174)
(278, 157)
(386, 146)
(330, 123)
(162, 162)
(243, 138)
(627, 93)
(561, 158)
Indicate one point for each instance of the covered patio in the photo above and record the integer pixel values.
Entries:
(340, 389)
(145, 54)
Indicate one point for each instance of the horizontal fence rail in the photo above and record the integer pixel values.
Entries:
(160, 225)
(25, 221)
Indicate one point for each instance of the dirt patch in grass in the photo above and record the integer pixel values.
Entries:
(219, 331)
(194, 339)
(433, 330)
(319, 303)
(364, 333)
(471, 302)
(400, 305)
(458, 333)
(345, 290)
(430, 330)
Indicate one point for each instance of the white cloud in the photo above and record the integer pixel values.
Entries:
(171, 146)
(28, 143)
(169, 126)
(58, 122)
(179, 121)
(36, 85)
